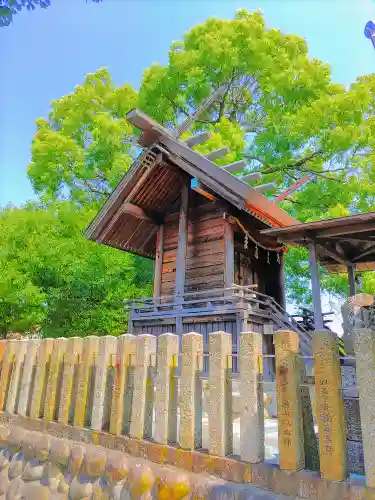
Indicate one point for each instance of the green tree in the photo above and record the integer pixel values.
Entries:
(9, 8)
(80, 152)
(279, 110)
(52, 276)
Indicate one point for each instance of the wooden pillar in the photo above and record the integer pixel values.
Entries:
(315, 286)
(182, 242)
(159, 261)
(229, 254)
(282, 280)
(351, 279)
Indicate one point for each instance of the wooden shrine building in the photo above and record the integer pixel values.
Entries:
(202, 224)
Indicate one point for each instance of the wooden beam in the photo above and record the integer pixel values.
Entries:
(325, 248)
(351, 279)
(282, 280)
(196, 139)
(351, 229)
(229, 254)
(252, 177)
(135, 211)
(366, 252)
(235, 166)
(218, 153)
(159, 261)
(182, 241)
(357, 240)
(265, 187)
(315, 285)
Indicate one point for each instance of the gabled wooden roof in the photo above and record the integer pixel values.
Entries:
(341, 242)
(129, 218)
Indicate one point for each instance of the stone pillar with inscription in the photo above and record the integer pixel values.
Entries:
(53, 392)
(28, 376)
(166, 389)
(289, 408)
(86, 372)
(42, 367)
(191, 391)
(20, 347)
(141, 415)
(125, 357)
(364, 348)
(220, 394)
(107, 349)
(71, 360)
(251, 394)
(329, 406)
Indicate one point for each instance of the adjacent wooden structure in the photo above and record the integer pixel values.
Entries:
(214, 269)
(345, 244)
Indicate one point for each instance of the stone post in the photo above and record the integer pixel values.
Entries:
(165, 389)
(27, 376)
(191, 391)
(20, 347)
(86, 367)
(140, 414)
(52, 396)
(251, 394)
(329, 406)
(107, 348)
(289, 410)
(42, 367)
(220, 394)
(6, 370)
(71, 359)
(364, 348)
(125, 357)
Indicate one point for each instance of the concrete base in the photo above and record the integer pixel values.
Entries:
(26, 441)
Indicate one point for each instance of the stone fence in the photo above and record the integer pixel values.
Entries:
(142, 395)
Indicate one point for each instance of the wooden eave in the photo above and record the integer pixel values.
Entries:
(342, 242)
(155, 184)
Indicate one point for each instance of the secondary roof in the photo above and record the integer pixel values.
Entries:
(341, 242)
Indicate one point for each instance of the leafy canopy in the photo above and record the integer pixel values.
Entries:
(280, 110)
(51, 275)
(8, 8)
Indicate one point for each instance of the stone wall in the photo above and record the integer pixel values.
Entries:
(143, 396)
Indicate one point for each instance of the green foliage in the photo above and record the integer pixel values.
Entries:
(80, 152)
(8, 8)
(279, 110)
(51, 275)
(285, 116)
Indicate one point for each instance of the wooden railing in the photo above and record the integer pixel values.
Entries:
(217, 301)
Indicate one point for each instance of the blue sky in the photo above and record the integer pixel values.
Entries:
(45, 53)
